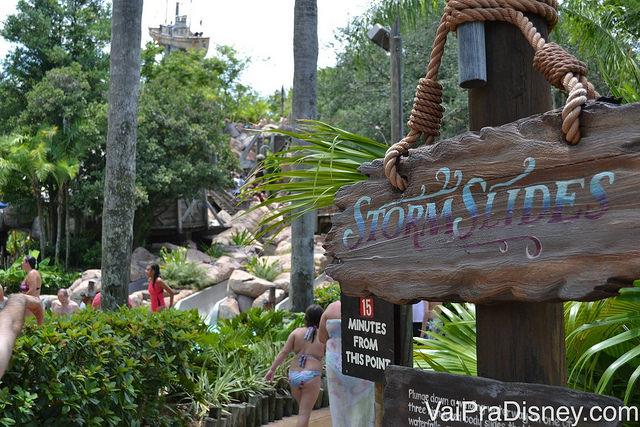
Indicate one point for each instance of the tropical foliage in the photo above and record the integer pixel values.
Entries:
(602, 344)
(263, 268)
(607, 32)
(96, 368)
(237, 353)
(331, 156)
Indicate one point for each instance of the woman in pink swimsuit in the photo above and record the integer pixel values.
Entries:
(157, 286)
(306, 367)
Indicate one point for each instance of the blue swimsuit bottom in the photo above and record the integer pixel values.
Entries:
(297, 379)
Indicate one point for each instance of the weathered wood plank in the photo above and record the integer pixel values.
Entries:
(424, 398)
(507, 213)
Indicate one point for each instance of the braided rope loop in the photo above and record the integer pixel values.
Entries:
(560, 68)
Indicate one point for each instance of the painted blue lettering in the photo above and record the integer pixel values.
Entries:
(470, 204)
(529, 195)
(563, 198)
(357, 216)
(385, 222)
(598, 193)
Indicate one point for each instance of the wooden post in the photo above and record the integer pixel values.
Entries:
(472, 61)
(516, 341)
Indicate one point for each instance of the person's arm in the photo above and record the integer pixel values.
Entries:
(11, 321)
(323, 334)
(166, 287)
(288, 348)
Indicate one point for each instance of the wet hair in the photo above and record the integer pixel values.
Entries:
(64, 292)
(312, 316)
(30, 260)
(156, 271)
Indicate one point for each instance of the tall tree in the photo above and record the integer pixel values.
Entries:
(120, 173)
(305, 87)
(180, 144)
(51, 34)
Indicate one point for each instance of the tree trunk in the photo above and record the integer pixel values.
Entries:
(120, 172)
(67, 232)
(59, 223)
(36, 191)
(305, 85)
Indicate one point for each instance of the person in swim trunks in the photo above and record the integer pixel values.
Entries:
(305, 371)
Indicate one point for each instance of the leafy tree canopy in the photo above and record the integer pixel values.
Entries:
(51, 34)
(181, 148)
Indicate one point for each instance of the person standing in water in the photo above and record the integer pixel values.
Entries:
(157, 287)
(33, 281)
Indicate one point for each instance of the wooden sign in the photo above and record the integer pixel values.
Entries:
(507, 213)
(368, 337)
(435, 399)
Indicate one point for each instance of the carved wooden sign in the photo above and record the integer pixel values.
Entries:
(507, 213)
(428, 399)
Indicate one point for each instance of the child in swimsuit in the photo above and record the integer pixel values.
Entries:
(306, 366)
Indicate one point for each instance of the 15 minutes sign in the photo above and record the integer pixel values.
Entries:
(367, 337)
(510, 213)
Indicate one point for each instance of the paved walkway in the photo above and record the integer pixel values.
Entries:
(319, 418)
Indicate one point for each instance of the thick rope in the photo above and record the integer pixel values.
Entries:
(559, 68)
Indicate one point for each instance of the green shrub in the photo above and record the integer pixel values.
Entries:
(186, 276)
(216, 250)
(129, 367)
(262, 268)
(325, 295)
(237, 353)
(176, 256)
(242, 238)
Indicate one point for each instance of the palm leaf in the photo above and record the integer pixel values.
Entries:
(327, 160)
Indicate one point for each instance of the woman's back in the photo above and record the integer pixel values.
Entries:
(309, 353)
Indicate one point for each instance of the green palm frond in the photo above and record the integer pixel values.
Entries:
(453, 347)
(603, 345)
(603, 31)
(307, 177)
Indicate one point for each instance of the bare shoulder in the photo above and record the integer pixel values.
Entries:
(333, 311)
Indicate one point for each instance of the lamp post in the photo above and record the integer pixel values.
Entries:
(391, 41)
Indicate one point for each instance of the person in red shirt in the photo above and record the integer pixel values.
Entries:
(157, 287)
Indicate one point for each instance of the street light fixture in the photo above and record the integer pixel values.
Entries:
(380, 36)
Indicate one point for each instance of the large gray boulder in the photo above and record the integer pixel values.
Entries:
(243, 283)
(244, 303)
(263, 299)
(89, 282)
(240, 222)
(228, 308)
(140, 259)
(283, 281)
(221, 270)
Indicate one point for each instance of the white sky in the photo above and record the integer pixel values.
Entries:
(259, 29)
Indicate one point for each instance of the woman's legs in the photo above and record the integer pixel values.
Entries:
(306, 397)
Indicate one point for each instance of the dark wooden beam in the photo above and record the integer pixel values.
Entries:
(516, 341)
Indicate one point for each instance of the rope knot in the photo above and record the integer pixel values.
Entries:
(555, 63)
(427, 109)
